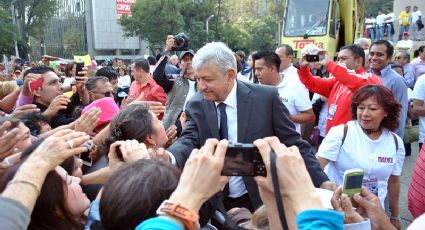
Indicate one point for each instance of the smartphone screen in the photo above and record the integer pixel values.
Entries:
(243, 160)
(79, 67)
(85, 156)
(354, 182)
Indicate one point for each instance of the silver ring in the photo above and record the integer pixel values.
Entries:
(70, 144)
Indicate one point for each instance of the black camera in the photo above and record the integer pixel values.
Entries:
(181, 42)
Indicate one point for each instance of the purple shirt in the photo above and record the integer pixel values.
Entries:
(24, 100)
(418, 67)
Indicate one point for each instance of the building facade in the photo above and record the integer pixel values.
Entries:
(82, 27)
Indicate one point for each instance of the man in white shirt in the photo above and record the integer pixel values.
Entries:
(416, 16)
(419, 108)
(370, 26)
(389, 24)
(380, 24)
(286, 54)
(292, 92)
(406, 44)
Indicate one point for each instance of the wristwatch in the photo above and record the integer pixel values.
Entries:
(187, 216)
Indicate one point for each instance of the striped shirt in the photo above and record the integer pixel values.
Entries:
(416, 194)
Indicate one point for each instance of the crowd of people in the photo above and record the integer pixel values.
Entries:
(382, 25)
(143, 145)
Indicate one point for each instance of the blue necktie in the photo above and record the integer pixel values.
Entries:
(223, 131)
(223, 135)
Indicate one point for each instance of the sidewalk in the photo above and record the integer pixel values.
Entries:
(409, 164)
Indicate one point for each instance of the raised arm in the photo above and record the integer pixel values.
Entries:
(322, 86)
(160, 77)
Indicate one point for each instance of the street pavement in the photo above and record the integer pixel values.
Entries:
(406, 175)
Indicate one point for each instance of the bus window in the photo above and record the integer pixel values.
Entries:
(334, 20)
(306, 16)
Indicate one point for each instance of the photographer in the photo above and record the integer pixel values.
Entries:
(179, 87)
(349, 75)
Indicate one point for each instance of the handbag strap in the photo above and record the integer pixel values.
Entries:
(278, 197)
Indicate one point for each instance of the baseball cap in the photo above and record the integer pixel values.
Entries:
(310, 49)
(186, 52)
(108, 109)
(406, 34)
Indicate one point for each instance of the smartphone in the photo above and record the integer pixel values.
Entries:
(352, 183)
(85, 156)
(79, 68)
(243, 160)
(312, 58)
(34, 85)
(20, 61)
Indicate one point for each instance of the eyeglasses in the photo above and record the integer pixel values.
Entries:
(106, 94)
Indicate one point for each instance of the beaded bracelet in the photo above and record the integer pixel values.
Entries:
(20, 181)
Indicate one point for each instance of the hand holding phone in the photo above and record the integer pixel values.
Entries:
(79, 68)
(352, 184)
(243, 160)
(85, 156)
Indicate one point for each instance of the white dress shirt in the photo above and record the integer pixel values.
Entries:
(380, 19)
(236, 185)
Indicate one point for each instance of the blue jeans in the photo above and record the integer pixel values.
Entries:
(388, 30)
(402, 30)
(380, 32)
(372, 34)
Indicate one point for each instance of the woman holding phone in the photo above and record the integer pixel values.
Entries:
(369, 143)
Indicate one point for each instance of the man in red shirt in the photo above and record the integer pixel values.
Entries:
(348, 74)
(145, 83)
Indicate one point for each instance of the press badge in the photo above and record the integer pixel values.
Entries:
(331, 112)
(372, 185)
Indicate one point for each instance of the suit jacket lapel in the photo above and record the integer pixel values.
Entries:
(244, 110)
(210, 112)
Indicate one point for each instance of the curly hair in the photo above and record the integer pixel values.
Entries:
(384, 97)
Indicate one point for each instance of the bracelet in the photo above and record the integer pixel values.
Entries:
(20, 181)
(397, 218)
(187, 216)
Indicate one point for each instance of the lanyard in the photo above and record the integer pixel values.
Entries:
(339, 93)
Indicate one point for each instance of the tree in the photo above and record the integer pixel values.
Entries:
(71, 40)
(7, 31)
(374, 5)
(31, 18)
(262, 33)
(153, 20)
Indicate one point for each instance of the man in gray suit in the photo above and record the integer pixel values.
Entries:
(225, 108)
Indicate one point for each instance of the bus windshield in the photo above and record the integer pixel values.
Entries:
(306, 17)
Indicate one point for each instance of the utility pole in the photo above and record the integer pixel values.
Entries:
(207, 25)
(216, 25)
(12, 7)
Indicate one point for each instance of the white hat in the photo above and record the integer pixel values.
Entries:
(310, 49)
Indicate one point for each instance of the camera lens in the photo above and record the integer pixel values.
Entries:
(179, 42)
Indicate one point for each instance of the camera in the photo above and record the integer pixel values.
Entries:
(243, 160)
(312, 58)
(181, 42)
